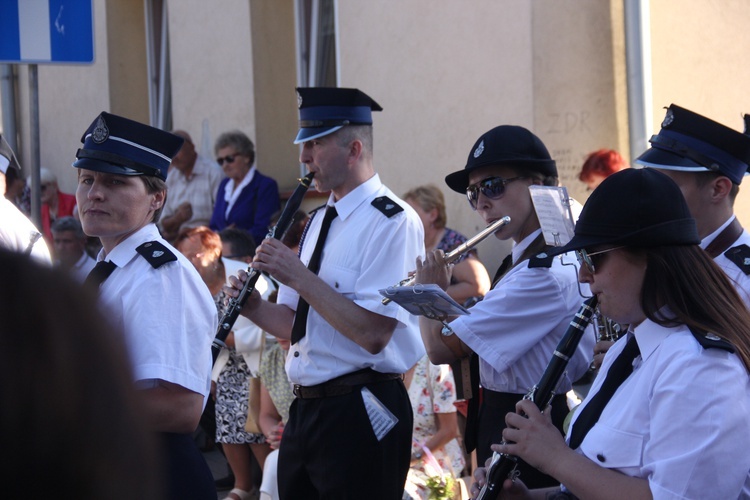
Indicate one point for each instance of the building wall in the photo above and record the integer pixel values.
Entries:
(275, 78)
(211, 54)
(701, 62)
(128, 67)
(445, 72)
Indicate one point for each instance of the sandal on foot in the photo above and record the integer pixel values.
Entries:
(240, 494)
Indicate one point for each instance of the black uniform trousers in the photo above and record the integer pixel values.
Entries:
(495, 405)
(188, 476)
(329, 449)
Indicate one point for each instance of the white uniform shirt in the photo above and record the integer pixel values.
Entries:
(365, 251)
(680, 420)
(200, 190)
(167, 314)
(16, 231)
(737, 276)
(518, 325)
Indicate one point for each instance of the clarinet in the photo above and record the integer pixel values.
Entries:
(503, 465)
(277, 232)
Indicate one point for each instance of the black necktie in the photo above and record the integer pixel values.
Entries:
(99, 273)
(299, 327)
(504, 267)
(621, 368)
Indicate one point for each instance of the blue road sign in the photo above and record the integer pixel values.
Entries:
(46, 31)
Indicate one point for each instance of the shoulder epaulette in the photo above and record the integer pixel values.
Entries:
(710, 340)
(387, 206)
(541, 260)
(740, 255)
(156, 253)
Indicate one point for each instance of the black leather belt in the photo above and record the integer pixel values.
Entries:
(343, 384)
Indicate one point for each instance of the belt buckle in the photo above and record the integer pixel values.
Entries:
(296, 390)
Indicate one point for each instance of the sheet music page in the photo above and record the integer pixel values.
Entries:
(552, 205)
(425, 300)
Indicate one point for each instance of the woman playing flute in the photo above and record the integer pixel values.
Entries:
(517, 325)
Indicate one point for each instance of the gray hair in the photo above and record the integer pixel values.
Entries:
(68, 223)
(239, 141)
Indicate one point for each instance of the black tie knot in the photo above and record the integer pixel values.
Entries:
(99, 273)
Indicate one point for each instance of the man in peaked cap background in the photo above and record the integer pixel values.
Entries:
(17, 232)
(148, 289)
(349, 429)
(527, 311)
(707, 161)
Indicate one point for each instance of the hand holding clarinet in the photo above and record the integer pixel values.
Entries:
(529, 432)
(247, 281)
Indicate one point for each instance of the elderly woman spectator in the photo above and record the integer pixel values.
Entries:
(246, 198)
(470, 279)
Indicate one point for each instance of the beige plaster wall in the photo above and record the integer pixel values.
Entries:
(275, 77)
(701, 62)
(580, 99)
(212, 67)
(445, 72)
(128, 66)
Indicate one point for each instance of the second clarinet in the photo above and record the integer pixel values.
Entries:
(277, 232)
(503, 466)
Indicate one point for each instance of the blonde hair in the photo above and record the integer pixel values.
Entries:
(429, 197)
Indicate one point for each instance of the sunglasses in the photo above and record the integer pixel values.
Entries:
(227, 159)
(584, 258)
(491, 187)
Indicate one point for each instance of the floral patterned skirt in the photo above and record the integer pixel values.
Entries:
(232, 393)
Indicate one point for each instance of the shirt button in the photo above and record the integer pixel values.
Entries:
(296, 354)
(601, 458)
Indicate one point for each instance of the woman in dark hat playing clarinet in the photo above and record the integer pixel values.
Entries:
(667, 416)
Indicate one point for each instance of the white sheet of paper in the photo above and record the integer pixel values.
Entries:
(425, 300)
(552, 205)
(381, 418)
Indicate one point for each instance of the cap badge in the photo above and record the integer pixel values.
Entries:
(157, 253)
(479, 150)
(299, 100)
(668, 119)
(101, 132)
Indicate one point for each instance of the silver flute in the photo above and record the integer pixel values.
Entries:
(460, 249)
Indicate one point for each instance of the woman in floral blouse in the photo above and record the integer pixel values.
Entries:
(432, 392)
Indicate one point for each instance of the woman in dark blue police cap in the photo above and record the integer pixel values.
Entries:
(674, 424)
(148, 289)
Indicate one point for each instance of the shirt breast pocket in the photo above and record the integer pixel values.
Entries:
(341, 279)
(613, 448)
